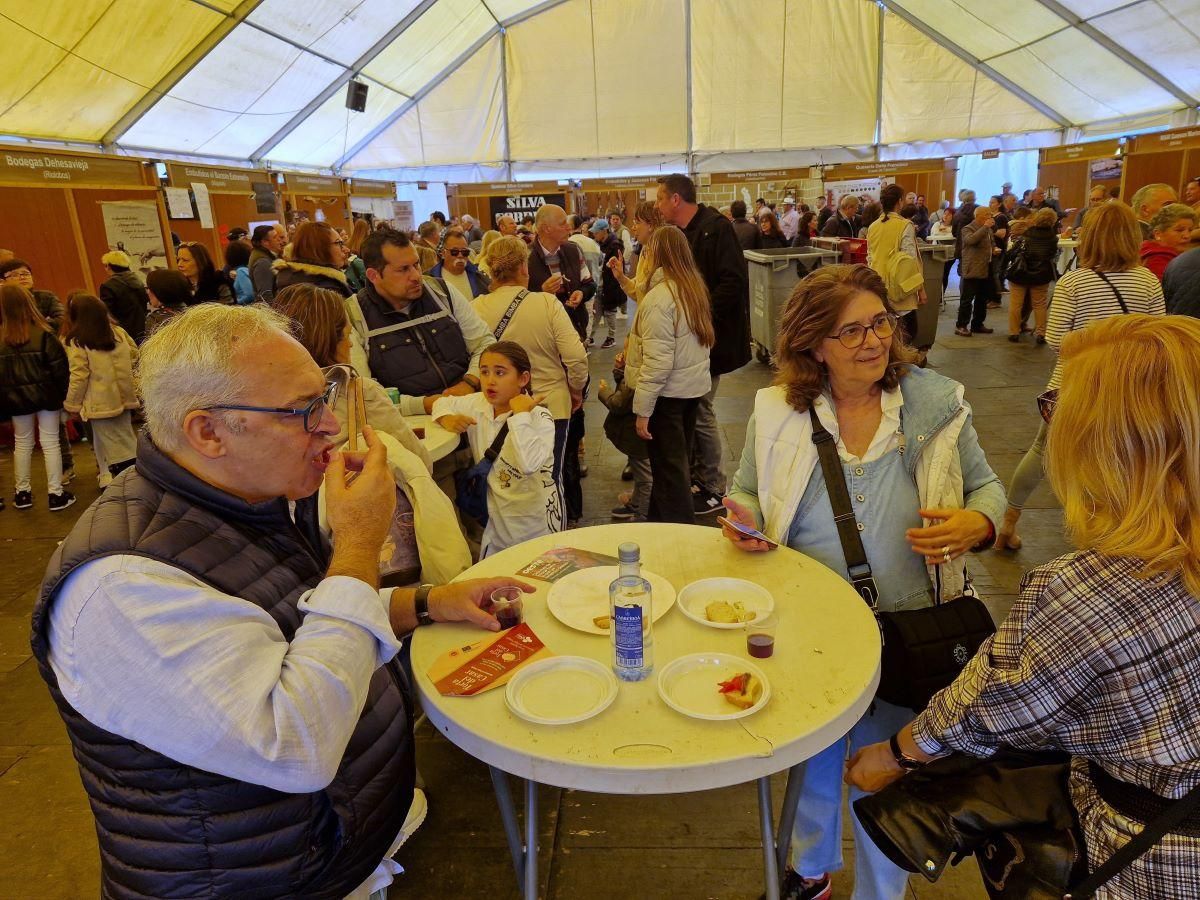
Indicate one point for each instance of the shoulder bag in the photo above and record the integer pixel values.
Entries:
(502, 325)
(1017, 270)
(1112, 287)
(923, 649)
(470, 485)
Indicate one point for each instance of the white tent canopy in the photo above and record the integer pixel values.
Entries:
(492, 89)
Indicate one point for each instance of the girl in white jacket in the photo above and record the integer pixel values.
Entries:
(523, 500)
(101, 357)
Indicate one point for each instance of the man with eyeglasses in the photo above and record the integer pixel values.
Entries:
(228, 678)
(456, 268)
(18, 272)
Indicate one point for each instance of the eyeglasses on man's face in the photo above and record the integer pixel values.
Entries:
(311, 413)
(463, 251)
(854, 336)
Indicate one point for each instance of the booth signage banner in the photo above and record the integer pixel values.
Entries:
(24, 167)
(215, 178)
(179, 203)
(523, 204)
(361, 187)
(1069, 152)
(134, 227)
(314, 184)
(1176, 139)
(645, 183)
(850, 171)
(403, 215)
(500, 188)
(203, 206)
(758, 176)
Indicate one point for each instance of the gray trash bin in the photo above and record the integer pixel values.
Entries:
(773, 276)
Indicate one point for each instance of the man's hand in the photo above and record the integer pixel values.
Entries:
(429, 401)
(873, 768)
(577, 398)
(575, 299)
(470, 601)
(360, 497)
(524, 403)
(455, 423)
(553, 284)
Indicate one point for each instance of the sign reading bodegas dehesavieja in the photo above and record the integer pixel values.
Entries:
(67, 169)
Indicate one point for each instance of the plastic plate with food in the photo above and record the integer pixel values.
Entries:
(727, 603)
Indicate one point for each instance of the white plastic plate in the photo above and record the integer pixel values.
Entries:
(691, 685)
(697, 595)
(581, 596)
(561, 690)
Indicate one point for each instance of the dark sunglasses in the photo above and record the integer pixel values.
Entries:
(1046, 402)
(312, 412)
(463, 252)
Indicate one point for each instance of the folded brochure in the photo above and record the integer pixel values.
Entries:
(561, 561)
(487, 663)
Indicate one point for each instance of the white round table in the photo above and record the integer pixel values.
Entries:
(438, 441)
(823, 676)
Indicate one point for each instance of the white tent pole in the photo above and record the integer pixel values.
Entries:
(504, 102)
(1085, 27)
(879, 83)
(355, 69)
(179, 70)
(687, 24)
(938, 38)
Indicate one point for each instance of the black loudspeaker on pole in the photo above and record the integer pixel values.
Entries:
(356, 96)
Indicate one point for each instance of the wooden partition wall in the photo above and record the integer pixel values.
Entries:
(484, 201)
(1170, 157)
(50, 213)
(935, 178)
(1070, 169)
(231, 194)
(307, 194)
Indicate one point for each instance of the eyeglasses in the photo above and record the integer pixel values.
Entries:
(1046, 402)
(17, 273)
(463, 252)
(854, 336)
(312, 412)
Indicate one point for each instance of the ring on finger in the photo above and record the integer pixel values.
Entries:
(946, 554)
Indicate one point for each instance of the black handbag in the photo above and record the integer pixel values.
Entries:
(923, 649)
(470, 485)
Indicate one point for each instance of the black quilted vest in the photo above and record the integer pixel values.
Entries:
(170, 830)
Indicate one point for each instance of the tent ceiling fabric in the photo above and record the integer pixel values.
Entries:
(523, 83)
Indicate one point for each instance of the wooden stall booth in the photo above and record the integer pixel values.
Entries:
(934, 178)
(219, 198)
(1076, 168)
(61, 211)
(486, 200)
(602, 196)
(316, 198)
(722, 188)
(1170, 157)
(372, 199)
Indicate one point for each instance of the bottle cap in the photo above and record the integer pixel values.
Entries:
(629, 552)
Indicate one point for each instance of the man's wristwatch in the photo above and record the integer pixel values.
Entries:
(907, 763)
(421, 604)
(472, 381)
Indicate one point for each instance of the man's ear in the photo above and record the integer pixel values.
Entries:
(201, 434)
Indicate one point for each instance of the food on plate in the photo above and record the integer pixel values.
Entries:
(743, 690)
(726, 613)
(601, 622)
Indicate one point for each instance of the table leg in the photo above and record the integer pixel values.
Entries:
(787, 816)
(767, 825)
(508, 815)
(531, 841)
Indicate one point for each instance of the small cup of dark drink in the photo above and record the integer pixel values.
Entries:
(760, 636)
(507, 606)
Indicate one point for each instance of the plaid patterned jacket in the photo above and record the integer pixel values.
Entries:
(1105, 665)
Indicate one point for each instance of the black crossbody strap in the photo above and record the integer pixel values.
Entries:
(502, 326)
(1112, 287)
(843, 514)
(493, 451)
(1177, 812)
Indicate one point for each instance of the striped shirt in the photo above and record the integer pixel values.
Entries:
(1083, 297)
(1104, 664)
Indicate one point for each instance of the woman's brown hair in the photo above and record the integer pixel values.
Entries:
(87, 324)
(320, 316)
(1111, 240)
(669, 251)
(359, 233)
(647, 211)
(19, 315)
(812, 315)
(773, 228)
(517, 356)
(312, 242)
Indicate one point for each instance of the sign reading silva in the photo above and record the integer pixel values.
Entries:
(520, 205)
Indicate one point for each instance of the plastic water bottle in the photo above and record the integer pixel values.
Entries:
(629, 604)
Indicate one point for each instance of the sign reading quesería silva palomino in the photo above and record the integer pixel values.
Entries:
(520, 205)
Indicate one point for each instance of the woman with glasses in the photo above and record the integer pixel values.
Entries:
(1110, 281)
(317, 256)
(921, 489)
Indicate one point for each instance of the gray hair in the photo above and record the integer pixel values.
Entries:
(1138, 200)
(545, 213)
(1170, 214)
(967, 196)
(192, 362)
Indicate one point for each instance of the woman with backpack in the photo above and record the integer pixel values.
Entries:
(1029, 268)
(33, 384)
(889, 237)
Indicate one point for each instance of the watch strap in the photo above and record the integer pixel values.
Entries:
(421, 605)
(907, 763)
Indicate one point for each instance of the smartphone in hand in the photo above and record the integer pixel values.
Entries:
(747, 531)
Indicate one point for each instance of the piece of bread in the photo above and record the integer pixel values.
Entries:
(743, 690)
(726, 613)
(602, 622)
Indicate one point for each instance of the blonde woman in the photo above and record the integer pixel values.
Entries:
(646, 218)
(667, 368)
(1110, 281)
(1100, 656)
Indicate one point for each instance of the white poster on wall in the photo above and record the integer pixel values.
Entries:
(179, 204)
(862, 186)
(402, 215)
(133, 227)
(203, 206)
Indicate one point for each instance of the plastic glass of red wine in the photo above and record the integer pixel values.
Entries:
(760, 636)
(507, 606)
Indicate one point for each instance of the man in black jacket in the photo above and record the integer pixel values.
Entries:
(719, 258)
(124, 294)
(749, 234)
(847, 222)
(18, 272)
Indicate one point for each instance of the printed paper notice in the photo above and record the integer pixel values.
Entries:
(203, 207)
(133, 227)
(179, 204)
(486, 664)
(560, 561)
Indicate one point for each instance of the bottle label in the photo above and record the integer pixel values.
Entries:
(627, 628)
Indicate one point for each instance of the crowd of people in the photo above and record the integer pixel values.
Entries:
(247, 396)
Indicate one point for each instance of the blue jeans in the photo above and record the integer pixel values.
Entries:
(817, 835)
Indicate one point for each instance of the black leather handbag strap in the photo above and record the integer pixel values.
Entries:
(502, 326)
(843, 514)
(493, 451)
(1176, 813)
(1112, 287)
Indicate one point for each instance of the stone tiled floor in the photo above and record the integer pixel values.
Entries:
(594, 846)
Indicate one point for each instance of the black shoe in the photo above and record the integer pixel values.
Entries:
(983, 329)
(59, 502)
(608, 343)
(1015, 338)
(705, 502)
(23, 500)
(627, 473)
(1040, 340)
(797, 888)
(624, 512)
(962, 331)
